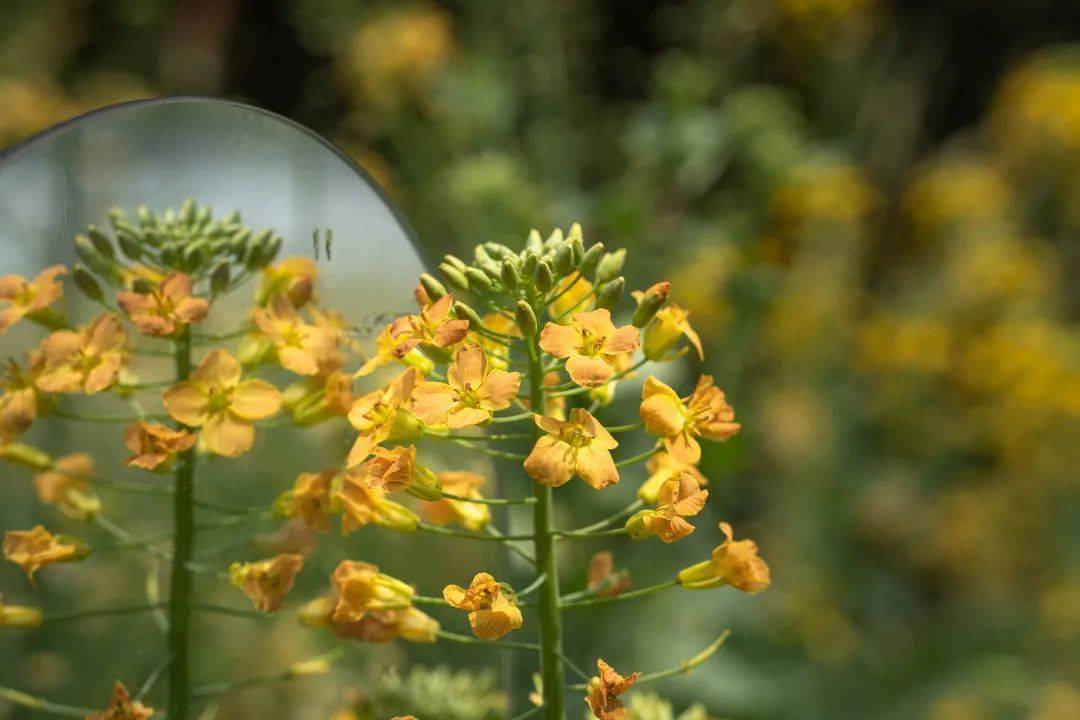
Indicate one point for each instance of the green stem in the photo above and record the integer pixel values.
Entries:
(600, 524)
(489, 501)
(551, 665)
(622, 596)
(42, 705)
(439, 530)
(496, 644)
(180, 587)
(682, 668)
(638, 458)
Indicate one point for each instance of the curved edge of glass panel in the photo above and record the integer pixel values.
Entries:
(11, 152)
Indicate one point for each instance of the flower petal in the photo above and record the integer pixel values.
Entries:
(224, 435)
(499, 389)
(596, 467)
(589, 371)
(219, 369)
(551, 462)
(432, 401)
(186, 404)
(255, 400)
(561, 341)
(468, 367)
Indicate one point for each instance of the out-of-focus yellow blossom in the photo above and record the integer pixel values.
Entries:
(364, 504)
(267, 582)
(374, 626)
(222, 405)
(912, 344)
(580, 446)
(19, 398)
(396, 470)
(293, 536)
(591, 345)
(67, 486)
(19, 616)
(492, 611)
(498, 353)
(301, 347)
(572, 293)
(86, 360)
(35, 548)
(367, 605)
(166, 307)
(154, 445)
(293, 277)
(814, 26)
(473, 516)
(602, 693)
(20, 297)
(603, 579)
(397, 54)
(1036, 114)
(435, 329)
(472, 394)
(383, 415)
(821, 194)
(315, 399)
(670, 324)
(680, 421)
(734, 562)
(954, 190)
(679, 498)
(664, 466)
(386, 352)
(30, 106)
(310, 499)
(122, 707)
(1058, 700)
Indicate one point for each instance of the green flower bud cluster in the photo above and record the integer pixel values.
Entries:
(189, 240)
(497, 272)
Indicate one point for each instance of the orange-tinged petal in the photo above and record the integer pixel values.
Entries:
(217, 369)
(255, 400)
(186, 404)
(499, 389)
(589, 371)
(466, 417)
(468, 368)
(624, 340)
(596, 322)
(551, 462)
(560, 341)
(596, 467)
(662, 415)
(684, 447)
(224, 435)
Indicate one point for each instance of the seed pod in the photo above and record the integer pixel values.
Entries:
(651, 302)
(478, 281)
(544, 278)
(86, 282)
(465, 312)
(610, 293)
(219, 278)
(509, 275)
(434, 288)
(101, 242)
(591, 259)
(454, 276)
(564, 260)
(526, 318)
(457, 263)
(610, 265)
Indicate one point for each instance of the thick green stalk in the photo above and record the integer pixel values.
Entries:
(551, 666)
(180, 587)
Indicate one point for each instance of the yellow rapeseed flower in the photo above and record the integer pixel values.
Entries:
(122, 707)
(21, 297)
(383, 415)
(591, 346)
(311, 499)
(221, 404)
(35, 548)
(66, 484)
(267, 582)
(602, 693)
(472, 394)
(734, 562)
(363, 504)
(664, 466)
(87, 359)
(492, 612)
(679, 498)
(154, 445)
(580, 446)
(301, 347)
(470, 515)
(681, 421)
(293, 277)
(165, 308)
(19, 616)
(435, 328)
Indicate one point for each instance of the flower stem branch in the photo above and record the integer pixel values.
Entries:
(600, 524)
(33, 702)
(578, 534)
(496, 644)
(682, 668)
(489, 501)
(438, 530)
(638, 458)
(488, 451)
(534, 585)
(630, 595)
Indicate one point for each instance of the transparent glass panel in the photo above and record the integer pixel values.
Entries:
(277, 175)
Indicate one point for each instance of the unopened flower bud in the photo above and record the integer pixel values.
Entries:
(650, 303)
(101, 242)
(455, 262)
(465, 312)
(577, 243)
(90, 255)
(564, 260)
(26, 455)
(219, 278)
(315, 613)
(528, 265)
(609, 294)
(142, 286)
(545, 279)
(19, 616)
(478, 281)
(454, 276)
(434, 288)
(86, 282)
(425, 484)
(509, 275)
(610, 265)
(129, 244)
(534, 243)
(591, 259)
(554, 241)
(526, 319)
(497, 251)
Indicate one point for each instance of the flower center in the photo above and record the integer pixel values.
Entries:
(590, 343)
(467, 396)
(218, 400)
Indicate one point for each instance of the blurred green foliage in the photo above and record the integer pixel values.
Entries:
(868, 207)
